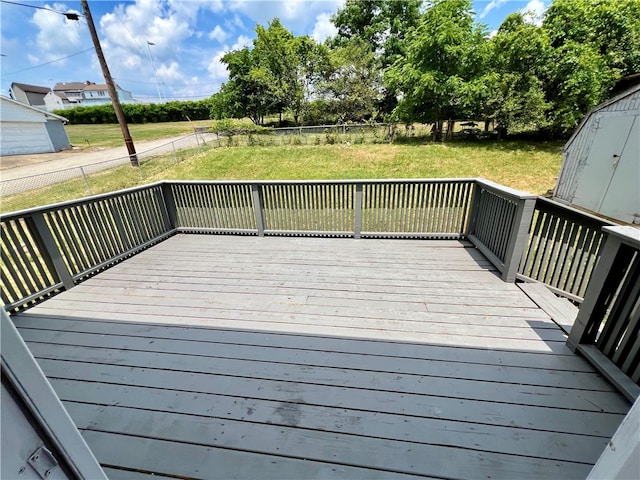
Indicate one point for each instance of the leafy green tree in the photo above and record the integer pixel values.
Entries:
(595, 43)
(579, 80)
(442, 75)
(384, 26)
(352, 82)
(251, 89)
(520, 53)
(276, 52)
(610, 27)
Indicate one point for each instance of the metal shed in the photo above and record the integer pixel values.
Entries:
(601, 161)
(25, 129)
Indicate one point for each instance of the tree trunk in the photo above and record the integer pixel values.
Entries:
(487, 123)
(437, 127)
(450, 125)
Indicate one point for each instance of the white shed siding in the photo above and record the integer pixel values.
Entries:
(19, 138)
(14, 112)
(23, 129)
(601, 164)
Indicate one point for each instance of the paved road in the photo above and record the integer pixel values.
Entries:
(19, 173)
(16, 166)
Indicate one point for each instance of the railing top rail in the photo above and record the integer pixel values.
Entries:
(79, 201)
(584, 217)
(628, 235)
(496, 187)
(323, 182)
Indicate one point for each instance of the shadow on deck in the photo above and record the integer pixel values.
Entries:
(247, 357)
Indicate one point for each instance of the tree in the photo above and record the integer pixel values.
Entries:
(384, 26)
(250, 91)
(579, 80)
(520, 55)
(275, 76)
(351, 81)
(275, 51)
(442, 74)
(611, 28)
(595, 43)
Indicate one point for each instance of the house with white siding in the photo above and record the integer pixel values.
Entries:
(25, 129)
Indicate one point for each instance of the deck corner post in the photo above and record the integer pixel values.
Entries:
(170, 205)
(49, 249)
(258, 207)
(518, 237)
(473, 208)
(592, 298)
(357, 230)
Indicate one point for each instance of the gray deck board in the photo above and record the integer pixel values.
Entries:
(246, 357)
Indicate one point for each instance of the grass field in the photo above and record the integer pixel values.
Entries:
(531, 167)
(109, 135)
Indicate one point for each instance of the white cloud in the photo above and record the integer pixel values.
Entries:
(297, 15)
(493, 4)
(533, 12)
(170, 73)
(324, 28)
(218, 70)
(218, 34)
(493, 33)
(241, 42)
(57, 36)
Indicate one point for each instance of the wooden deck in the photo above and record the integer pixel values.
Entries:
(246, 357)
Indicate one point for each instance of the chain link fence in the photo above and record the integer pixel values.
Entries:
(171, 150)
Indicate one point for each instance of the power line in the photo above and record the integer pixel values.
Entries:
(47, 63)
(69, 15)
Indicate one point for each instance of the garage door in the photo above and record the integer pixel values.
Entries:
(18, 138)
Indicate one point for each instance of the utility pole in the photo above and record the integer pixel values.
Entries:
(128, 141)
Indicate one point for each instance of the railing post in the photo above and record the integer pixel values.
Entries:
(593, 301)
(473, 209)
(170, 205)
(357, 231)
(258, 205)
(49, 248)
(518, 238)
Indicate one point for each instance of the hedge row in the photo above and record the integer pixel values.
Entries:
(139, 113)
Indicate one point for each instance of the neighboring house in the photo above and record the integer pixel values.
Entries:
(25, 129)
(88, 93)
(30, 94)
(70, 92)
(96, 94)
(601, 161)
(54, 101)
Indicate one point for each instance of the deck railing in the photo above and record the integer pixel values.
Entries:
(562, 249)
(48, 249)
(375, 208)
(499, 223)
(607, 329)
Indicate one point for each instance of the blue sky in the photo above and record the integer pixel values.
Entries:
(40, 47)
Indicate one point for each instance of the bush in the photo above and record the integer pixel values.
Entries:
(139, 113)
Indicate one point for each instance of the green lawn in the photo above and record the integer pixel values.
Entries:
(109, 135)
(531, 167)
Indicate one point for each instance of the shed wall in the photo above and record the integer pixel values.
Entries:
(58, 135)
(605, 135)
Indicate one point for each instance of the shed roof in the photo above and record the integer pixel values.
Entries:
(630, 91)
(29, 107)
